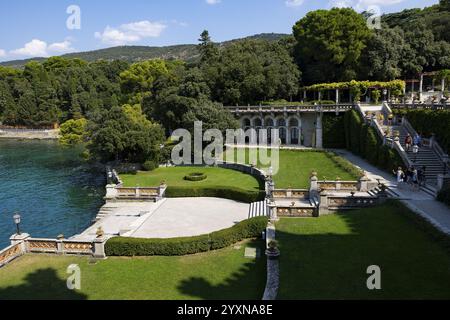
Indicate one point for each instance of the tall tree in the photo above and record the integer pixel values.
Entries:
(330, 43)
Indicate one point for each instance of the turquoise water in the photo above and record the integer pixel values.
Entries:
(51, 187)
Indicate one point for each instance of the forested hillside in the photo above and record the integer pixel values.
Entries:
(185, 52)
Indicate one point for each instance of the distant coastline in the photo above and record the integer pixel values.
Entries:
(29, 134)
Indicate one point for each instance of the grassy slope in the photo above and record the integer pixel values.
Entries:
(296, 166)
(330, 255)
(175, 177)
(222, 274)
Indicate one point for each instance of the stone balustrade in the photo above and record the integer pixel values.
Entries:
(23, 244)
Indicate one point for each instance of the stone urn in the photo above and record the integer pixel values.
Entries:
(272, 252)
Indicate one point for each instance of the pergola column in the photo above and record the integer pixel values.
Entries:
(421, 87)
(337, 96)
(319, 131)
(288, 135)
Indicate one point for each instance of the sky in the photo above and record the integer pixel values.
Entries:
(54, 27)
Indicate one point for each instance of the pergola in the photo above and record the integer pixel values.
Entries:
(363, 87)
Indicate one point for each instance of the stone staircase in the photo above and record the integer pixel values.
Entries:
(258, 209)
(425, 157)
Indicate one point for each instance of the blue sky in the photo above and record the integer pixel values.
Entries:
(39, 28)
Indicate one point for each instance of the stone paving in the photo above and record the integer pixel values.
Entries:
(169, 218)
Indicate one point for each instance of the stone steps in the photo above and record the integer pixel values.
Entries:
(258, 209)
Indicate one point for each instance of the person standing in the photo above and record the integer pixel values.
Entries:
(408, 142)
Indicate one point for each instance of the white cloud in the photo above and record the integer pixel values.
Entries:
(34, 48)
(2, 53)
(378, 2)
(131, 32)
(341, 3)
(294, 3)
(213, 2)
(61, 47)
(39, 48)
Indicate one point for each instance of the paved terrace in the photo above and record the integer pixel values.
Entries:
(169, 218)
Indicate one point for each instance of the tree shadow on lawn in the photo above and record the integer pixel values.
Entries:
(329, 259)
(248, 283)
(43, 284)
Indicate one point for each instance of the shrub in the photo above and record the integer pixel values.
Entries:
(444, 195)
(344, 164)
(246, 229)
(130, 247)
(196, 176)
(333, 131)
(156, 247)
(235, 193)
(149, 165)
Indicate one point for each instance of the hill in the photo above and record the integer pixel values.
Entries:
(186, 52)
(436, 18)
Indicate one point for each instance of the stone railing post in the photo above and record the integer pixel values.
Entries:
(323, 205)
(363, 184)
(111, 192)
(314, 186)
(99, 248)
(20, 239)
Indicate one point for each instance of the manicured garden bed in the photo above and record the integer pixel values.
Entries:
(327, 257)
(221, 274)
(217, 182)
(296, 167)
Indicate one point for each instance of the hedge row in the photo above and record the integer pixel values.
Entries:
(428, 122)
(130, 247)
(344, 164)
(333, 131)
(232, 193)
(363, 140)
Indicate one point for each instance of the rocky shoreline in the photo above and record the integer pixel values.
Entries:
(29, 134)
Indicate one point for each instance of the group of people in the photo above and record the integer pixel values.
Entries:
(412, 176)
(410, 141)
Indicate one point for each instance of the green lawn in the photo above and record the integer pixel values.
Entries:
(327, 257)
(174, 177)
(222, 274)
(295, 167)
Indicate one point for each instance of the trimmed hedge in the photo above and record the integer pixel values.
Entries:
(196, 176)
(363, 140)
(344, 164)
(444, 195)
(130, 247)
(333, 131)
(237, 194)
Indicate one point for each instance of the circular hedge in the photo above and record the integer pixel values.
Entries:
(195, 176)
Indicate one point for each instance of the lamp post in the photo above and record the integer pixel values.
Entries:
(16, 218)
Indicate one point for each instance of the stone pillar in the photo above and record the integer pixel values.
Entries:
(288, 135)
(363, 184)
(421, 87)
(440, 181)
(111, 192)
(21, 239)
(313, 186)
(319, 131)
(99, 248)
(337, 96)
(323, 206)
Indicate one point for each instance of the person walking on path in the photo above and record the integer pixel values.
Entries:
(408, 143)
(417, 140)
(400, 174)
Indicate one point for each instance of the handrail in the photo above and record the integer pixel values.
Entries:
(402, 153)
